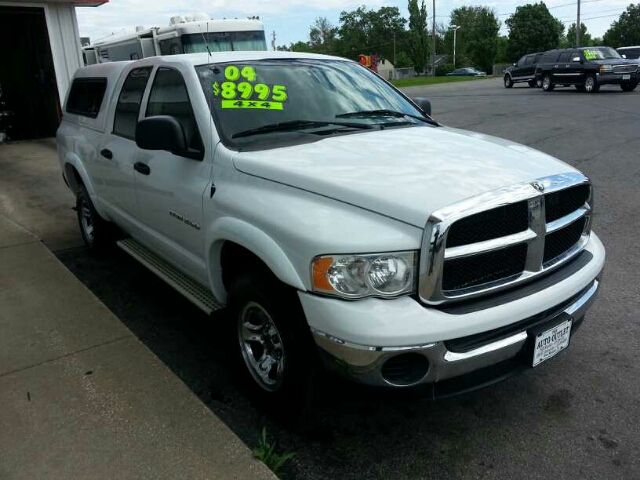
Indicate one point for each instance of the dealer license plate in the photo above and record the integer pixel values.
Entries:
(551, 342)
(626, 77)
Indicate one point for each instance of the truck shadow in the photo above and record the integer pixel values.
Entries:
(349, 431)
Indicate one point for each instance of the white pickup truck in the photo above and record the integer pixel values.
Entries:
(333, 217)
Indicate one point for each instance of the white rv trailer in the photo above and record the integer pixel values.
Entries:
(183, 35)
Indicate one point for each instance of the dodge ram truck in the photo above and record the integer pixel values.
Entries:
(333, 218)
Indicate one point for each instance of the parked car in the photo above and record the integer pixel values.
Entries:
(587, 69)
(523, 71)
(467, 72)
(337, 222)
(631, 53)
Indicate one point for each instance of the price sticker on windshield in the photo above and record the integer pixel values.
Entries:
(590, 54)
(239, 85)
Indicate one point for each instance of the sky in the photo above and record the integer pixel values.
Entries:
(291, 19)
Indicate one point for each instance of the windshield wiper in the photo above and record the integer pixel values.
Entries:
(383, 113)
(298, 125)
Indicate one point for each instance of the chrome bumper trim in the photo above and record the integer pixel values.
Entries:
(492, 347)
(364, 363)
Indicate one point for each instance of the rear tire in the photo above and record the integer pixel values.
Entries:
(628, 87)
(591, 84)
(274, 350)
(508, 81)
(98, 234)
(547, 84)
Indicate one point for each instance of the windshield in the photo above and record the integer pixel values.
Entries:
(309, 97)
(600, 53)
(224, 42)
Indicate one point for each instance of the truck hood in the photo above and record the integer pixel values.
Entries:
(403, 173)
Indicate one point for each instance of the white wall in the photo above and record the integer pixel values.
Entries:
(64, 38)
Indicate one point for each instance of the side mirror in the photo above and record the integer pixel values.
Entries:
(623, 56)
(161, 133)
(424, 104)
(575, 59)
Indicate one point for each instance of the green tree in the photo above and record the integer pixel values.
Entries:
(419, 43)
(322, 36)
(502, 55)
(370, 32)
(585, 37)
(532, 28)
(295, 47)
(477, 37)
(626, 30)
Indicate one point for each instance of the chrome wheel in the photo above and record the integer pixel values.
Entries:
(87, 221)
(589, 84)
(546, 83)
(261, 346)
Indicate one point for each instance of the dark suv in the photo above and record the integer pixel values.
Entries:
(587, 69)
(524, 70)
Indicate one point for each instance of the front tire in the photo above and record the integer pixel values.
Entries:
(628, 87)
(275, 351)
(547, 84)
(591, 84)
(508, 81)
(97, 233)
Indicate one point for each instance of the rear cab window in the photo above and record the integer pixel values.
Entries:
(86, 96)
(128, 106)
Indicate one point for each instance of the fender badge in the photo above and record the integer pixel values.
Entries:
(538, 186)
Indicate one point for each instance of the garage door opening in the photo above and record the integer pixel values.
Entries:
(27, 76)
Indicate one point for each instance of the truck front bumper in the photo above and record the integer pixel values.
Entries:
(469, 346)
(617, 78)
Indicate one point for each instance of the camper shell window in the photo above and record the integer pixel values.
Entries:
(85, 96)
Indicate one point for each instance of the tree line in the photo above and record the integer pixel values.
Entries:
(407, 43)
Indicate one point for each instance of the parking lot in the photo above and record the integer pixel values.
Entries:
(575, 416)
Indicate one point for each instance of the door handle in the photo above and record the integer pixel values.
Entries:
(106, 153)
(143, 168)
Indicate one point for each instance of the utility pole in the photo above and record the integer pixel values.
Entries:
(578, 27)
(455, 30)
(273, 40)
(433, 42)
(394, 49)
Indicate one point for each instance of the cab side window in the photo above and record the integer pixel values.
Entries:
(564, 57)
(575, 55)
(169, 97)
(528, 60)
(128, 107)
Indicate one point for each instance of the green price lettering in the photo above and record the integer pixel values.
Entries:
(231, 73)
(279, 93)
(262, 90)
(229, 90)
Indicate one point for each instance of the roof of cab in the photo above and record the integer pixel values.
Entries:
(243, 56)
(109, 69)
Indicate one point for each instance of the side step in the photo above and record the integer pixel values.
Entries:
(188, 287)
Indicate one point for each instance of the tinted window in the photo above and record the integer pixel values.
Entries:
(86, 96)
(575, 55)
(537, 57)
(528, 60)
(521, 61)
(169, 97)
(549, 57)
(564, 57)
(128, 106)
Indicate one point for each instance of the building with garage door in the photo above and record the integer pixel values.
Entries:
(40, 51)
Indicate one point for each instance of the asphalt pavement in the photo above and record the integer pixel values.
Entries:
(576, 416)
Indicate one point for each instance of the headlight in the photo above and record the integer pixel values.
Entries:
(357, 276)
(605, 68)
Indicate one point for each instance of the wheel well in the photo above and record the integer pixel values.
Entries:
(72, 176)
(235, 259)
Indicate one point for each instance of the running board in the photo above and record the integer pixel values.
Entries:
(188, 287)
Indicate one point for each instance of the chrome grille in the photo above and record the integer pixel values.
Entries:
(483, 244)
(625, 68)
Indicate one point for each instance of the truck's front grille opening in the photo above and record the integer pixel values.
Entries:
(490, 224)
(484, 268)
(563, 202)
(405, 369)
(560, 241)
